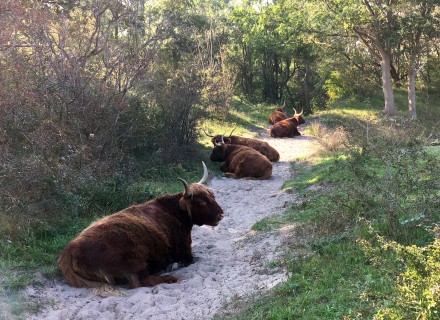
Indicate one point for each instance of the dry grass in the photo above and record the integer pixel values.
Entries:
(330, 139)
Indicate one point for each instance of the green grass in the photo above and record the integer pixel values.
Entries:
(339, 282)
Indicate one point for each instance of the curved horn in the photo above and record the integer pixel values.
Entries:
(296, 113)
(284, 104)
(301, 113)
(209, 135)
(217, 144)
(205, 174)
(232, 131)
(187, 188)
(223, 141)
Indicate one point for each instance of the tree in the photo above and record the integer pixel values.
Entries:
(375, 24)
(418, 27)
(271, 50)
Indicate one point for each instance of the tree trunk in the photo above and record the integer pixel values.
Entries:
(387, 86)
(306, 89)
(412, 90)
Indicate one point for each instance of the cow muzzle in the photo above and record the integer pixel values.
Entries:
(219, 218)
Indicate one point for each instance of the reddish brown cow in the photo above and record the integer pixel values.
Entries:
(133, 245)
(288, 127)
(277, 115)
(261, 146)
(241, 161)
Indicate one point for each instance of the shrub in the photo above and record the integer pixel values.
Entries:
(417, 294)
(330, 139)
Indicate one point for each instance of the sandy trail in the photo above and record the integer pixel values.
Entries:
(232, 262)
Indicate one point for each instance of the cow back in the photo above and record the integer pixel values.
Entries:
(261, 146)
(285, 128)
(277, 116)
(245, 162)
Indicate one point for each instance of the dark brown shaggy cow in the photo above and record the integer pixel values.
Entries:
(288, 127)
(277, 115)
(133, 245)
(241, 161)
(261, 146)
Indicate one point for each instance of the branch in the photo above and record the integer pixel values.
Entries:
(369, 8)
(365, 37)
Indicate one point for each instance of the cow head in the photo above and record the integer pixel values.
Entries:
(281, 109)
(299, 117)
(220, 137)
(218, 153)
(199, 202)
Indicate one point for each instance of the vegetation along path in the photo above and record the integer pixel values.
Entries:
(232, 262)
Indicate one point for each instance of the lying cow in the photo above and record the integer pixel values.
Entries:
(288, 127)
(133, 245)
(277, 115)
(241, 161)
(261, 146)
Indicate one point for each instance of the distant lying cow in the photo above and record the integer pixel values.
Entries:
(133, 245)
(261, 146)
(241, 161)
(277, 115)
(288, 127)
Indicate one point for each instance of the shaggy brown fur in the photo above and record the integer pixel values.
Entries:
(287, 127)
(261, 146)
(134, 244)
(277, 115)
(241, 162)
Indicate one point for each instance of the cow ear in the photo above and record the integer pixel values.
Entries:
(188, 191)
(185, 205)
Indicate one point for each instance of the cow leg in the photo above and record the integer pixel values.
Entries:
(152, 280)
(133, 281)
(187, 260)
(223, 167)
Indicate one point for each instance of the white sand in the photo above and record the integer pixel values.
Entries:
(232, 262)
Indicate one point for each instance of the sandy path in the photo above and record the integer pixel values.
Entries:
(231, 261)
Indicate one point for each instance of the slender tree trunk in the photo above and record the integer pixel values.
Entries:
(387, 86)
(412, 90)
(246, 71)
(306, 89)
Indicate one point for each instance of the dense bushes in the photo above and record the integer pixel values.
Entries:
(90, 92)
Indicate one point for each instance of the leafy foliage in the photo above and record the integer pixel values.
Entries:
(417, 295)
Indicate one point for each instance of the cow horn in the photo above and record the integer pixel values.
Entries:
(217, 144)
(223, 140)
(232, 131)
(205, 174)
(284, 104)
(209, 135)
(187, 188)
(296, 113)
(301, 113)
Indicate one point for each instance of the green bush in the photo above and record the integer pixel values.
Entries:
(417, 294)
